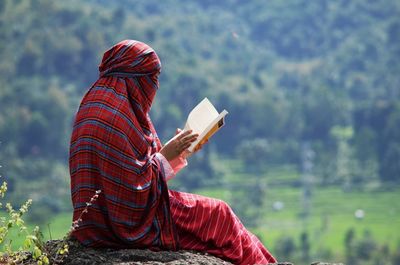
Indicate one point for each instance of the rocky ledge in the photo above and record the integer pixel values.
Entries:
(79, 255)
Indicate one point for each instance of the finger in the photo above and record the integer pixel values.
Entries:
(190, 138)
(186, 146)
(188, 141)
(183, 134)
(178, 130)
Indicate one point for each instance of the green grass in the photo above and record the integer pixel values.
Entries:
(331, 216)
(60, 225)
(331, 213)
(56, 228)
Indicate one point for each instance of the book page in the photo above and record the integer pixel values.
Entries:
(213, 128)
(204, 120)
(201, 117)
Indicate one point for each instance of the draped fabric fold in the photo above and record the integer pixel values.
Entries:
(112, 149)
(115, 149)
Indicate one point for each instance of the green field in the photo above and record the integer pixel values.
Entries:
(332, 211)
(332, 215)
(56, 228)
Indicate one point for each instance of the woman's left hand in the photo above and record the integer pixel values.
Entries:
(178, 145)
(198, 147)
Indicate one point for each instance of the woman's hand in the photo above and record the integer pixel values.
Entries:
(179, 144)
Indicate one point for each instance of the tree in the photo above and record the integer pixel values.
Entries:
(350, 245)
(366, 247)
(390, 167)
(285, 248)
(305, 246)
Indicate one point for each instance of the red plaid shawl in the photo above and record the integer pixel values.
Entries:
(112, 150)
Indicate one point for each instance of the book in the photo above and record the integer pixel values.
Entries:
(204, 120)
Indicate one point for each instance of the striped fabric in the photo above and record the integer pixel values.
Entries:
(113, 149)
(209, 225)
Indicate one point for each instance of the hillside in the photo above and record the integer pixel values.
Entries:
(312, 88)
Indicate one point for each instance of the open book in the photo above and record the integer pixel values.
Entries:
(204, 120)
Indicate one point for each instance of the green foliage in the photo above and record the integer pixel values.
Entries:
(289, 72)
(331, 213)
(366, 250)
(285, 247)
(33, 241)
(255, 152)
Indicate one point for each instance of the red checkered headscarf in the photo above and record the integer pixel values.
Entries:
(112, 149)
(140, 67)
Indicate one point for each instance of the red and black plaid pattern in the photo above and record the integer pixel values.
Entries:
(112, 149)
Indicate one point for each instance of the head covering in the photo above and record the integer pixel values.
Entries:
(131, 58)
(112, 149)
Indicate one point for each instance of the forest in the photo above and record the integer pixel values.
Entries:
(313, 94)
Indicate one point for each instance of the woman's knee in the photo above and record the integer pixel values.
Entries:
(223, 206)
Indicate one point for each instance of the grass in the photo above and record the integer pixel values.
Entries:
(331, 212)
(56, 228)
(331, 216)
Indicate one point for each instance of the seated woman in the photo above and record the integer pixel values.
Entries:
(115, 149)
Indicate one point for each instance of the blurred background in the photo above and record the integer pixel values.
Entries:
(309, 157)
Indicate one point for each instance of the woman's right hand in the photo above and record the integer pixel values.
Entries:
(177, 145)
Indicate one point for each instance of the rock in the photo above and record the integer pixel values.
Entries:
(79, 255)
(324, 263)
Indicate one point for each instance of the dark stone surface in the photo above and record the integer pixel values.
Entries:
(324, 263)
(79, 255)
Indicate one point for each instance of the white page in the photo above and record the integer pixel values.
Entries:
(219, 118)
(201, 116)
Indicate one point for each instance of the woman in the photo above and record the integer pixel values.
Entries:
(115, 149)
